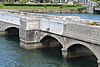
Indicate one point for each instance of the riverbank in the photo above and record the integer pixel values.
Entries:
(45, 11)
(53, 11)
(45, 8)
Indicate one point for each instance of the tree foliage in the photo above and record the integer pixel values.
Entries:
(95, 0)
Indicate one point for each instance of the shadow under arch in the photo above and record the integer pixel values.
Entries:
(50, 41)
(80, 50)
(53, 47)
(12, 31)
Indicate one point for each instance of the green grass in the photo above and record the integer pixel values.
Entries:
(39, 7)
(43, 8)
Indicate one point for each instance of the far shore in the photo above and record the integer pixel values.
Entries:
(45, 11)
(40, 8)
(51, 11)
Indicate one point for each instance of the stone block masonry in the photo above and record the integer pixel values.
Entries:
(70, 32)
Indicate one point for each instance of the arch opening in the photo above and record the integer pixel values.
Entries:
(49, 41)
(79, 50)
(53, 46)
(12, 31)
(96, 11)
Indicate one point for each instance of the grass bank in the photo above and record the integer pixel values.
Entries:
(51, 8)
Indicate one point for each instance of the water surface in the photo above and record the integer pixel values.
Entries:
(11, 55)
(83, 16)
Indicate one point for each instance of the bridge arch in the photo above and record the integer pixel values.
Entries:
(50, 41)
(12, 30)
(81, 46)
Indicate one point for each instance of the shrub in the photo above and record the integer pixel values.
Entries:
(94, 23)
(24, 4)
(45, 5)
(81, 9)
(76, 5)
(1, 5)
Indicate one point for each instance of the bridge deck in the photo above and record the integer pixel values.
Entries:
(9, 18)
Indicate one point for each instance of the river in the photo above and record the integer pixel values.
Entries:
(83, 16)
(11, 55)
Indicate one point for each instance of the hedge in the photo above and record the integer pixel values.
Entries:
(24, 4)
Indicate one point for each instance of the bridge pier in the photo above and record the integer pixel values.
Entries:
(64, 53)
(30, 39)
(2, 32)
(30, 45)
(98, 63)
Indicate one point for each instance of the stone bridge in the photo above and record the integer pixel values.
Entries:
(9, 24)
(92, 7)
(73, 34)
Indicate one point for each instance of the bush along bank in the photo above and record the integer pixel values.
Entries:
(40, 4)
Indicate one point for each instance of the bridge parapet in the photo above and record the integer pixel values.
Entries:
(83, 32)
(9, 18)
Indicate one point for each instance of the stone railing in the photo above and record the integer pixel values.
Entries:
(83, 32)
(9, 18)
(29, 16)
